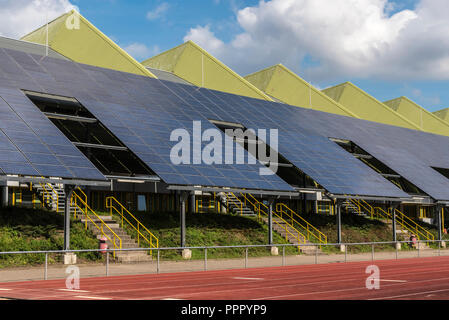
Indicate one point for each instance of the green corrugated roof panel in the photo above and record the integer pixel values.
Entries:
(30, 47)
(419, 116)
(366, 106)
(281, 83)
(76, 38)
(442, 114)
(195, 65)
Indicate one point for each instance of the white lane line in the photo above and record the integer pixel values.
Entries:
(5, 289)
(172, 299)
(74, 290)
(410, 294)
(95, 298)
(401, 281)
(241, 278)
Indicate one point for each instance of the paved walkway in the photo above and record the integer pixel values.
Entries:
(117, 269)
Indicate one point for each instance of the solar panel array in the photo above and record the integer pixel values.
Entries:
(29, 143)
(142, 112)
(144, 124)
(141, 115)
(324, 161)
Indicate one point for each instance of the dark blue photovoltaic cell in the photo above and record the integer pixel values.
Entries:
(142, 112)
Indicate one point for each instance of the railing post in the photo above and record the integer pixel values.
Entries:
(283, 256)
(158, 263)
(397, 250)
(372, 252)
(107, 264)
(46, 267)
(393, 213)
(205, 259)
(246, 257)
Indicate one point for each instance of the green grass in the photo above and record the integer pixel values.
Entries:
(209, 229)
(24, 229)
(39, 230)
(354, 229)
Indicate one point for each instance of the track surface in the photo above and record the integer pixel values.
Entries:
(425, 278)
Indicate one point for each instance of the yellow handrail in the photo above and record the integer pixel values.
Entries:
(362, 204)
(87, 211)
(404, 221)
(257, 208)
(110, 201)
(311, 230)
(85, 199)
(200, 204)
(49, 194)
(234, 197)
(418, 230)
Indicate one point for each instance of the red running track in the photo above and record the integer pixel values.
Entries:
(423, 278)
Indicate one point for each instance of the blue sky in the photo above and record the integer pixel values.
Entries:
(388, 48)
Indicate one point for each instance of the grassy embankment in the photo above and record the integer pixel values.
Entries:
(39, 230)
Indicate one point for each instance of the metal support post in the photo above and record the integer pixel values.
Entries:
(68, 195)
(182, 218)
(270, 222)
(338, 212)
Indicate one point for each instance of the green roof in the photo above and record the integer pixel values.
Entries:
(442, 114)
(366, 106)
(195, 65)
(84, 43)
(281, 83)
(419, 116)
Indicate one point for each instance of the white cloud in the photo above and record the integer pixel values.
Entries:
(203, 35)
(348, 38)
(19, 17)
(140, 51)
(158, 12)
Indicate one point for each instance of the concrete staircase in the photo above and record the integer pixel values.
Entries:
(235, 206)
(127, 241)
(56, 200)
(401, 233)
(404, 234)
(351, 208)
(280, 227)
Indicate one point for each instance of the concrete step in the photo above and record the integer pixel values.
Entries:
(136, 256)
